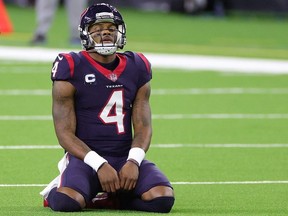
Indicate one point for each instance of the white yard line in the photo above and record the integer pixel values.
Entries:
(230, 182)
(162, 116)
(23, 185)
(187, 91)
(16, 92)
(169, 61)
(215, 145)
(206, 91)
(168, 145)
(219, 116)
(178, 183)
(25, 118)
(216, 63)
(21, 147)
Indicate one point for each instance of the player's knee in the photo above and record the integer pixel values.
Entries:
(162, 204)
(62, 202)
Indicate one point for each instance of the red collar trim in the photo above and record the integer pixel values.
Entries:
(112, 75)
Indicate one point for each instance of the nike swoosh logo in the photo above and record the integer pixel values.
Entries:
(60, 57)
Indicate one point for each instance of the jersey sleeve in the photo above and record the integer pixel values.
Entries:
(145, 71)
(63, 68)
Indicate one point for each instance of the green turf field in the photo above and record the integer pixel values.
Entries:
(225, 153)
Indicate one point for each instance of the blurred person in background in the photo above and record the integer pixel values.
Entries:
(102, 118)
(218, 7)
(45, 11)
(24, 3)
(194, 6)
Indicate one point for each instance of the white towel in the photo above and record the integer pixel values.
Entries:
(62, 164)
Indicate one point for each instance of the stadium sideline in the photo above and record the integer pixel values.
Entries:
(169, 61)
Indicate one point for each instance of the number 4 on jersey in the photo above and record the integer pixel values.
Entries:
(112, 112)
(54, 69)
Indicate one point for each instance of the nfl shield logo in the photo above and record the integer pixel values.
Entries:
(113, 77)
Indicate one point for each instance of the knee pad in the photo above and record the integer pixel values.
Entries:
(62, 202)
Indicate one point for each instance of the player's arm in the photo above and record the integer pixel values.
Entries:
(141, 119)
(64, 119)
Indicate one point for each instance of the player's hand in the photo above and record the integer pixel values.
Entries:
(108, 178)
(128, 175)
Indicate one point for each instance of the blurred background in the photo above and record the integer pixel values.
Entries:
(239, 28)
(217, 7)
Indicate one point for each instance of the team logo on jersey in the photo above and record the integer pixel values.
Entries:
(90, 79)
(113, 77)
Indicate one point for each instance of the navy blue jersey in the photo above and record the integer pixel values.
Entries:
(103, 98)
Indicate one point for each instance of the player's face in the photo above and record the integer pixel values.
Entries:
(103, 32)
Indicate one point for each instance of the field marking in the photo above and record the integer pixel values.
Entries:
(220, 116)
(231, 145)
(231, 182)
(20, 147)
(23, 185)
(15, 92)
(188, 91)
(205, 91)
(177, 183)
(162, 116)
(215, 145)
(168, 61)
(25, 118)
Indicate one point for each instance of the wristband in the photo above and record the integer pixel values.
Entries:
(137, 154)
(94, 160)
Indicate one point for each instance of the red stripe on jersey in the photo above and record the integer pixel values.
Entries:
(147, 63)
(107, 73)
(70, 62)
